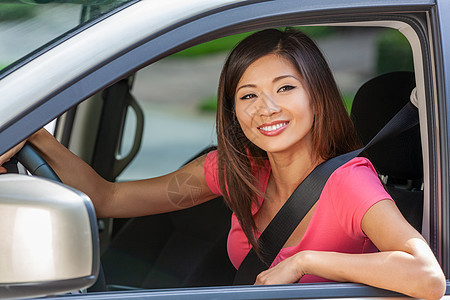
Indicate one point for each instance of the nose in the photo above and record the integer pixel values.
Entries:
(268, 106)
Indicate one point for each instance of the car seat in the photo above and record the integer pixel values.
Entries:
(178, 249)
(398, 160)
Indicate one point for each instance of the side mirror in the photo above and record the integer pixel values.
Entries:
(48, 238)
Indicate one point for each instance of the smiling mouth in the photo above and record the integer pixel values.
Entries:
(269, 128)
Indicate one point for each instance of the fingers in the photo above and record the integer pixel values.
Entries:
(275, 276)
(283, 273)
(263, 278)
(290, 270)
(8, 155)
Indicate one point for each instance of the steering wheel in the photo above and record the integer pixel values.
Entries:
(37, 166)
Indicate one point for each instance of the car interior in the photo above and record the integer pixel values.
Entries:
(397, 159)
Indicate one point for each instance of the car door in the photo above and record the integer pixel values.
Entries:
(422, 22)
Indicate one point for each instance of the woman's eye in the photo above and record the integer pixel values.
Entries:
(248, 96)
(286, 88)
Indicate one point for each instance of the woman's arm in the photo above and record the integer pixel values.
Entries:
(404, 264)
(125, 199)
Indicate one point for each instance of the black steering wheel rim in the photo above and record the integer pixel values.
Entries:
(35, 164)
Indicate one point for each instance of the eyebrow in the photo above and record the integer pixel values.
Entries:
(284, 76)
(245, 86)
(274, 80)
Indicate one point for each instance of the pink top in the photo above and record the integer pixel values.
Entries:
(336, 223)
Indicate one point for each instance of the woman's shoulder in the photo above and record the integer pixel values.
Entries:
(356, 175)
(355, 167)
(212, 155)
(211, 172)
(211, 161)
(351, 190)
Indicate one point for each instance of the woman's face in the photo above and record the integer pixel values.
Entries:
(273, 106)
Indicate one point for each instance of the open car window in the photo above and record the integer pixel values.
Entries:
(178, 98)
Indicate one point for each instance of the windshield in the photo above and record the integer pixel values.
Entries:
(28, 25)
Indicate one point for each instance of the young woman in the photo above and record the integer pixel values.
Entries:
(279, 116)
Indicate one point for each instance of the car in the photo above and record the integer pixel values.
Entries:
(88, 82)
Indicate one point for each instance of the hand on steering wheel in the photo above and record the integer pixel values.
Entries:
(35, 164)
(30, 159)
(10, 154)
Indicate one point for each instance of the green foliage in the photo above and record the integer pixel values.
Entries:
(16, 11)
(393, 52)
(316, 32)
(215, 46)
(348, 101)
(209, 104)
(225, 44)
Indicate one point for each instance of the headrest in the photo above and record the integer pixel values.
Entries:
(375, 103)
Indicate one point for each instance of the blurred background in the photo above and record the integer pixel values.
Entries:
(178, 93)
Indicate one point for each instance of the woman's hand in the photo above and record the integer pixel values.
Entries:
(290, 270)
(8, 155)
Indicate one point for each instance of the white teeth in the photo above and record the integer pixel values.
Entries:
(273, 127)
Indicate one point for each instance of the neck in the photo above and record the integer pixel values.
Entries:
(289, 170)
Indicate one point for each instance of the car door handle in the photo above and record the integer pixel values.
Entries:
(120, 161)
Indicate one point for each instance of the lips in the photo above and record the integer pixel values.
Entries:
(273, 128)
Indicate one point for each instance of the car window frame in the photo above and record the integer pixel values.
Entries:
(217, 23)
(440, 40)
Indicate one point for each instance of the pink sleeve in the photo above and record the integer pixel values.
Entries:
(212, 172)
(355, 187)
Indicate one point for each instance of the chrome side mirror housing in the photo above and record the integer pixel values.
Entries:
(48, 238)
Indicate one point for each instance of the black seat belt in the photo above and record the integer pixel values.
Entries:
(306, 195)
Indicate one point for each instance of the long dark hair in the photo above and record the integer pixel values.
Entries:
(238, 158)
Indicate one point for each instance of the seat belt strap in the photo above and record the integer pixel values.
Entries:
(306, 195)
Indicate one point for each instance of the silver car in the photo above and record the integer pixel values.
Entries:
(109, 88)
